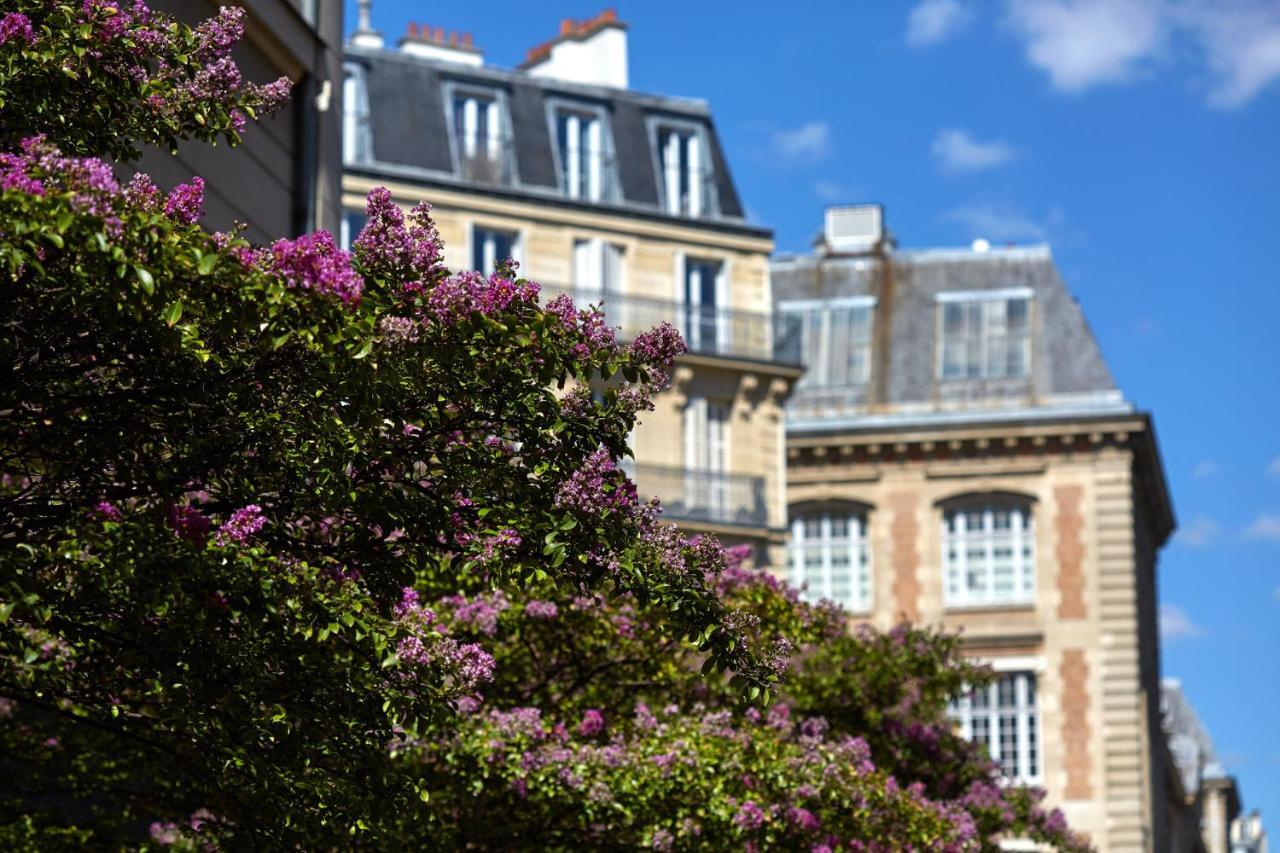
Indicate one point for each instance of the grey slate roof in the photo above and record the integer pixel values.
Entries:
(1067, 372)
(410, 135)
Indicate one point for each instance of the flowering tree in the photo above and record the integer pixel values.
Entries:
(222, 464)
(304, 545)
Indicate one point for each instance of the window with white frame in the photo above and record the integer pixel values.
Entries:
(1002, 717)
(706, 455)
(703, 318)
(985, 334)
(490, 245)
(479, 137)
(830, 556)
(352, 224)
(989, 553)
(684, 168)
(597, 267)
(835, 340)
(357, 140)
(583, 154)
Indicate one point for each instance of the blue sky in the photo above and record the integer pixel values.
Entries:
(1141, 138)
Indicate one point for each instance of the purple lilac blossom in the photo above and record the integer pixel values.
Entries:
(16, 25)
(592, 723)
(314, 262)
(188, 522)
(185, 203)
(243, 523)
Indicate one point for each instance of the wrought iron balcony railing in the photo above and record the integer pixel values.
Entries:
(710, 496)
(707, 329)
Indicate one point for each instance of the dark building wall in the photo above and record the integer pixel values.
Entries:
(285, 177)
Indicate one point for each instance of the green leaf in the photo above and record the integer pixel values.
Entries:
(173, 313)
(147, 281)
(207, 263)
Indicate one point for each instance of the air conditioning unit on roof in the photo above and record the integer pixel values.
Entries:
(854, 228)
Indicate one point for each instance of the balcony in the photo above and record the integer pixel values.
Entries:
(708, 330)
(708, 496)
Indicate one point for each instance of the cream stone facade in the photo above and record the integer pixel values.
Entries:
(648, 226)
(959, 457)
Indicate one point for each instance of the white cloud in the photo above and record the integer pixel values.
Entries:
(1265, 526)
(1085, 43)
(1081, 44)
(808, 142)
(831, 191)
(1240, 40)
(935, 21)
(1175, 624)
(1273, 468)
(957, 151)
(1206, 469)
(1200, 532)
(998, 223)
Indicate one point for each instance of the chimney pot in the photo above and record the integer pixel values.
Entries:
(466, 40)
(453, 38)
(439, 35)
(566, 27)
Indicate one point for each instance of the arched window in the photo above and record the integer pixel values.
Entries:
(989, 551)
(357, 144)
(830, 555)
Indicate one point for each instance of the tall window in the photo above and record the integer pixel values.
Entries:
(989, 552)
(706, 452)
(684, 170)
(985, 335)
(703, 326)
(835, 339)
(489, 246)
(352, 224)
(357, 144)
(479, 138)
(580, 143)
(1002, 717)
(831, 556)
(597, 266)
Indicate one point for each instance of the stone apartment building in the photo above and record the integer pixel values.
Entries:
(621, 198)
(959, 456)
(285, 178)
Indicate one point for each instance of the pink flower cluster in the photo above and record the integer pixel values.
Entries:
(468, 293)
(390, 249)
(594, 334)
(185, 202)
(15, 25)
(597, 486)
(244, 522)
(188, 522)
(314, 262)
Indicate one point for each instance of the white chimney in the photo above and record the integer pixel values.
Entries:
(854, 229)
(593, 51)
(365, 35)
(434, 43)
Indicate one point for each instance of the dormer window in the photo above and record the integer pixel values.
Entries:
(479, 136)
(985, 334)
(584, 152)
(357, 143)
(684, 169)
(835, 340)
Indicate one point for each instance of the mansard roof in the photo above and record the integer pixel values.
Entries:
(410, 133)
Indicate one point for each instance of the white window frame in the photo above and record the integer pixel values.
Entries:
(696, 168)
(1027, 759)
(497, 127)
(861, 594)
(818, 373)
(706, 451)
(357, 134)
(600, 175)
(345, 237)
(489, 249)
(689, 306)
(598, 267)
(957, 542)
(985, 336)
